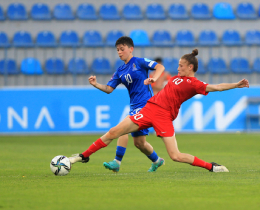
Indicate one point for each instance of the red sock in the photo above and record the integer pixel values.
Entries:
(201, 163)
(97, 145)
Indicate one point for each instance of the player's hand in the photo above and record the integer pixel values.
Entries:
(92, 80)
(149, 81)
(243, 83)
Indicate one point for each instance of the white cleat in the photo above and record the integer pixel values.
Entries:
(218, 168)
(78, 158)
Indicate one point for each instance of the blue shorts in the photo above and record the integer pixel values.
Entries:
(143, 132)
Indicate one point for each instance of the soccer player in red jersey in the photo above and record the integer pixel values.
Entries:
(163, 108)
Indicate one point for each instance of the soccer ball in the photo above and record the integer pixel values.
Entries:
(60, 165)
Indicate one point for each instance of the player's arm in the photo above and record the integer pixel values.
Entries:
(105, 88)
(159, 68)
(227, 86)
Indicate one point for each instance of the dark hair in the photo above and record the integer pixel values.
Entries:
(191, 59)
(158, 60)
(125, 40)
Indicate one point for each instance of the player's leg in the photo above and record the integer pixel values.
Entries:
(114, 165)
(176, 155)
(124, 127)
(146, 148)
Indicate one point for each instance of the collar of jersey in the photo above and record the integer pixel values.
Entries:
(124, 66)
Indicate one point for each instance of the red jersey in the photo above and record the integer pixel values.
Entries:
(178, 90)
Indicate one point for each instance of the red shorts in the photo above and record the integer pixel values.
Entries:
(154, 116)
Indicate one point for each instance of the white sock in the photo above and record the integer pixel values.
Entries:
(119, 162)
(157, 160)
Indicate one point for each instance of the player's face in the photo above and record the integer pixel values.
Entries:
(124, 52)
(185, 69)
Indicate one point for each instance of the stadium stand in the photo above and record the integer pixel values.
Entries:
(40, 11)
(46, 39)
(2, 15)
(217, 66)
(240, 66)
(140, 38)
(132, 12)
(109, 12)
(178, 12)
(54, 66)
(23, 39)
(208, 38)
(8, 66)
(223, 11)
(69, 38)
(112, 36)
(200, 11)
(63, 12)
(101, 66)
(171, 65)
(252, 37)
(246, 10)
(162, 38)
(78, 66)
(256, 65)
(93, 38)
(4, 41)
(185, 38)
(155, 12)
(17, 11)
(31, 66)
(231, 38)
(86, 12)
(201, 67)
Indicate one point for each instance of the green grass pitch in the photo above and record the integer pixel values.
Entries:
(26, 181)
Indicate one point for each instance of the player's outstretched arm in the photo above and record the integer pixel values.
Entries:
(159, 68)
(105, 88)
(227, 86)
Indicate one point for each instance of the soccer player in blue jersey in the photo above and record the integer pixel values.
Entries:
(132, 74)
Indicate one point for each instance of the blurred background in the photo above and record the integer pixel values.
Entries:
(48, 50)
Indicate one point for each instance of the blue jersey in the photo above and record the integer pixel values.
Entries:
(132, 75)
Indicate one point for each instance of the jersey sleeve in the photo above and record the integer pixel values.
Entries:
(201, 87)
(114, 81)
(146, 63)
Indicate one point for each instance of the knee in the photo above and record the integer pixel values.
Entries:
(175, 157)
(138, 145)
(112, 133)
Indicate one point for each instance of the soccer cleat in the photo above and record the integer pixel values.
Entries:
(78, 158)
(112, 165)
(156, 165)
(218, 168)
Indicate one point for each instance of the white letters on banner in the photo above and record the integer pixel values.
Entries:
(83, 111)
(44, 113)
(101, 116)
(11, 114)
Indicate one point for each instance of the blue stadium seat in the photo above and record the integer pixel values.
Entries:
(69, 39)
(256, 65)
(171, 65)
(178, 12)
(185, 38)
(22, 39)
(200, 11)
(112, 37)
(17, 11)
(246, 10)
(208, 38)
(86, 12)
(40, 11)
(240, 66)
(31, 66)
(46, 39)
(132, 12)
(118, 63)
(63, 12)
(231, 38)
(201, 67)
(101, 66)
(155, 12)
(140, 38)
(2, 14)
(54, 66)
(217, 66)
(8, 66)
(92, 38)
(109, 12)
(252, 37)
(78, 66)
(162, 38)
(223, 11)
(4, 41)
